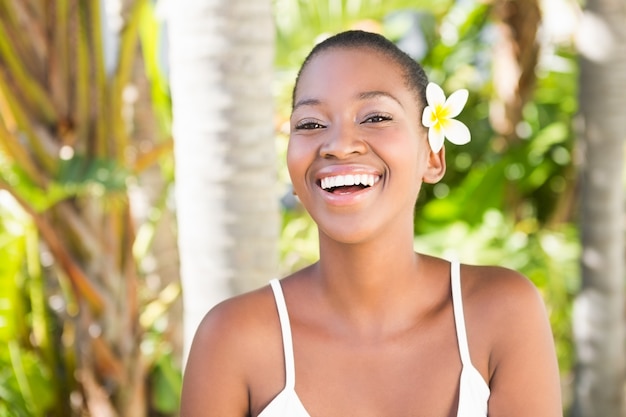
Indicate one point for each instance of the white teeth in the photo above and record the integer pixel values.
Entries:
(346, 180)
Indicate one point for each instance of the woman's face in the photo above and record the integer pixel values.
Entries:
(357, 152)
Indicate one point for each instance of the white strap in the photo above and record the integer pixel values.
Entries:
(290, 378)
(459, 317)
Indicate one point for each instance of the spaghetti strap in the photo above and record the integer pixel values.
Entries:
(283, 315)
(459, 317)
(286, 403)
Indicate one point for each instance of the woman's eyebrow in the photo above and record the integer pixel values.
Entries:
(377, 94)
(307, 102)
(366, 95)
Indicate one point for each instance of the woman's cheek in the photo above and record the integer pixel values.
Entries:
(298, 160)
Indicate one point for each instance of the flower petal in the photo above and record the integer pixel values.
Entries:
(456, 102)
(428, 117)
(435, 138)
(435, 95)
(456, 132)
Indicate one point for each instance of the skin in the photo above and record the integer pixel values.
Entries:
(372, 321)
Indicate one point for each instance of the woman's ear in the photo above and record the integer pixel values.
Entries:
(436, 166)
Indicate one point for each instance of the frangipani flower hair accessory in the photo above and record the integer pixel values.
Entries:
(439, 115)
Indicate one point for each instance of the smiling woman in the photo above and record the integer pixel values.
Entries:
(373, 328)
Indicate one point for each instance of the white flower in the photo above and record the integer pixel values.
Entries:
(439, 115)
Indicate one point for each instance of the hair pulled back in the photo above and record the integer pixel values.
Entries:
(414, 75)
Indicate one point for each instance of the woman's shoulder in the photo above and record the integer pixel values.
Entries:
(489, 287)
(499, 290)
(244, 323)
(500, 300)
(239, 332)
(505, 312)
(239, 320)
(235, 339)
(508, 326)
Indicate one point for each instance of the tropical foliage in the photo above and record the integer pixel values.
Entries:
(75, 322)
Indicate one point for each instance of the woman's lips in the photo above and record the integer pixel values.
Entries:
(348, 183)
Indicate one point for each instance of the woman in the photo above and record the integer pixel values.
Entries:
(373, 328)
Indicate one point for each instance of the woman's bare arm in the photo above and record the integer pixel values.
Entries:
(524, 369)
(214, 383)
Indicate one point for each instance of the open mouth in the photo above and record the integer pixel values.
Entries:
(346, 184)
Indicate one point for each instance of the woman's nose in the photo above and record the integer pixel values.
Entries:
(342, 141)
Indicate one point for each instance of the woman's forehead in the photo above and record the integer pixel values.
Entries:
(352, 65)
(352, 54)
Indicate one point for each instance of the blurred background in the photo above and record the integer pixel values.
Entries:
(142, 178)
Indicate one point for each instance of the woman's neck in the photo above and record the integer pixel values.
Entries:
(370, 283)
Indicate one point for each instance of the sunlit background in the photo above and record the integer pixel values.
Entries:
(101, 232)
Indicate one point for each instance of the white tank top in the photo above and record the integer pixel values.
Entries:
(473, 390)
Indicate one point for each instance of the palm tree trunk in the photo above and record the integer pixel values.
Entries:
(221, 57)
(599, 308)
(515, 59)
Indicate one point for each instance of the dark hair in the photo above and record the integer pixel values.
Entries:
(414, 75)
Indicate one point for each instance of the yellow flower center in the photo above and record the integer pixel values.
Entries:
(441, 113)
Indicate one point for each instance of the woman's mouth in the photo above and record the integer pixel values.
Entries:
(348, 183)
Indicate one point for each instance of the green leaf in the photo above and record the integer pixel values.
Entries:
(166, 385)
(78, 173)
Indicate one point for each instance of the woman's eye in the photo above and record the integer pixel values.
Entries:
(377, 118)
(309, 126)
